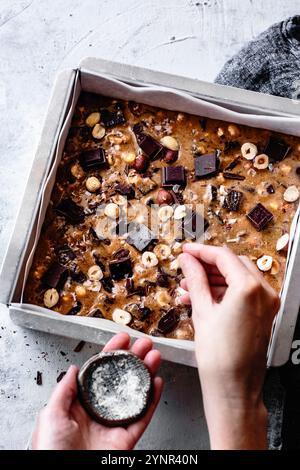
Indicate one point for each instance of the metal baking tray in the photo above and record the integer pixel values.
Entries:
(98, 330)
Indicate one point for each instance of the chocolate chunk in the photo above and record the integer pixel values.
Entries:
(135, 108)
(298, 171)
(168, 321)
(194, 225)
(39, 378)
(115, 388)
(79, 346)
(270, 189)
(93, 159)
(151, 148)
(233, 176)
(96, 313)
(173, 175)
(233, 200)
(73, 213)
(276, 149)
(138, 311)
(163, 279)
(65, 254)
(121, 253)
(125, 190)
(177, 196)
(203, 122)
(120, 268)
(55, 276)
(134, 290)
(60, 376)
(107, 284)
(112, 118)
(231, 145)
(77, 275)
(75, 309)
(138, 130)
(140, 236)
(259, 216)
(232, 164)
(98, 261)
(206, 165)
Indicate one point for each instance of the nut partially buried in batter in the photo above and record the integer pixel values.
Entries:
(115, 388)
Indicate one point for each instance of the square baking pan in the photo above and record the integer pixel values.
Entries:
(99, 76)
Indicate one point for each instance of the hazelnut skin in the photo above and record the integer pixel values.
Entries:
(141, 163)
(171, 156)
(164, 197)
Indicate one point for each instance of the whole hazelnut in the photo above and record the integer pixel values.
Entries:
(164, 197)
(141, 163)
(171, 156)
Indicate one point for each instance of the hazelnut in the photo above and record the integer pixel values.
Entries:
(92, 184)
(171, 156)
(92, 119)
(170, 143)
(164, 197)
(80, 291)
(141, 163)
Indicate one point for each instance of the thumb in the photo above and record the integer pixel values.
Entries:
(196, 281)
(65, 392)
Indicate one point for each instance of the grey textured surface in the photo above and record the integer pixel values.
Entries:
(39, 38)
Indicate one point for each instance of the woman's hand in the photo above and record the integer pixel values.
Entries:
(233, 310)
(64, 425)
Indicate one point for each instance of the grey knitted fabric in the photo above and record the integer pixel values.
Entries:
(270, 63)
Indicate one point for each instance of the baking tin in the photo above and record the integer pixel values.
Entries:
(99, 330)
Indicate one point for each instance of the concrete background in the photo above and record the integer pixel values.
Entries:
(39, 38)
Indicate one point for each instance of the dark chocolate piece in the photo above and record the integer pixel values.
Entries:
(173, 175)
(134, 290)
(276, 149)
(231, 145)
(232, 164)
(260, 217)
(60, 376)
(163, 279)
(194, 225)
(233, 176)
(203, 122)
(121, 253)
(77, 275)
(120, 268)
(125, 190)
(138, 311)
(39, 378)
(298, 171)
(96, 313)
(79, 346)
(93, 159)
(168, 321)
(65, 254)
(206, 165)
(233, 200)
(270, 189)
(115, 388)
(112, 118)
(140, 237)
(75, 309)
(107, 284)
(55, 276)
(73, 213)
(151, 148)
